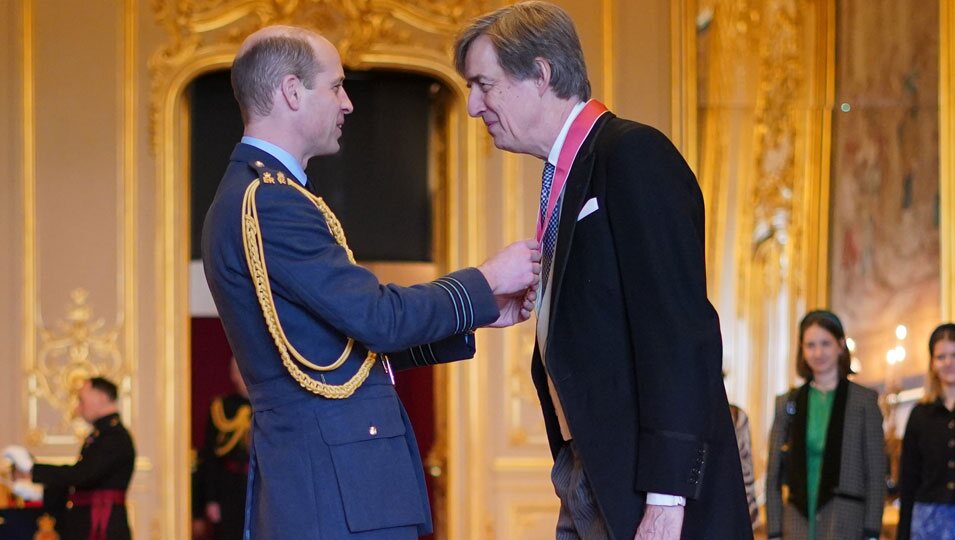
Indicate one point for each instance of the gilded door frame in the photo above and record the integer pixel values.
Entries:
(460, 206)
(947, 155)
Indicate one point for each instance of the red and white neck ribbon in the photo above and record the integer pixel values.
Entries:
(579, 130)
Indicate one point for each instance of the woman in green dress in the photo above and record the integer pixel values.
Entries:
(826, 445)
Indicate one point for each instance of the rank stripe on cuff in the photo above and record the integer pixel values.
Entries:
(461, 300)
(457, 317)
(467, 296)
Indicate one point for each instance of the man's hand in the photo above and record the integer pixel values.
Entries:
(514, 269)
(515, 308)
(214, 512)
(660, 523)
(20, 457)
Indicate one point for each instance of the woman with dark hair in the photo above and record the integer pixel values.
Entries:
(927, 474)
(826, 445)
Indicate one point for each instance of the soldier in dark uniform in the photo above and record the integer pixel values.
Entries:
(224, 459)
(96, 485)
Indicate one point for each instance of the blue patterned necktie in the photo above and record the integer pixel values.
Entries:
(549, 241)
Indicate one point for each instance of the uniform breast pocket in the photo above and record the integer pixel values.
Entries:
(372, 460)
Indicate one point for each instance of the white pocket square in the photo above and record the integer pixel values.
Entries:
(589, 208)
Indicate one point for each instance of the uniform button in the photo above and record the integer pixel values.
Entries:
(951, 424)
(259, 164)
(69, 504)
(373, 431)
(951, 443)
(950, 486)
(951, 464)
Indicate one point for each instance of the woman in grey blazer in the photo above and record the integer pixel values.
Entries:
(826, 445)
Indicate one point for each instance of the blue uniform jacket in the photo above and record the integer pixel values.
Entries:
(328, 468)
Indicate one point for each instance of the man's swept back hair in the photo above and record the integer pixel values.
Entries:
(523, 32)
(258, 71)
(105, 386)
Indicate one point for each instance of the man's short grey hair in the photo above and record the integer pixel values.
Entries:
(524, 32)
(258, 71)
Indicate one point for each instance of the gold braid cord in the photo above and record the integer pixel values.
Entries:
(235, 428)
(255, 257)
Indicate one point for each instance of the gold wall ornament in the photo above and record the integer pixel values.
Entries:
(199, 28)
(45, 528)
(780, 91)
(73, 350)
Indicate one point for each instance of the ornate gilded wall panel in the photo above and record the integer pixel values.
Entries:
(77, 221)
(758, 105)
(78, 347)
(947, 156)
(885, 173)
(359, 29)
(768, 228)
(526, 515)
(75, 195)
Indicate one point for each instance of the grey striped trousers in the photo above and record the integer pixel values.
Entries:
(579, 518)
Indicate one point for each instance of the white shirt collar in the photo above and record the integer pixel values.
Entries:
(562, 136)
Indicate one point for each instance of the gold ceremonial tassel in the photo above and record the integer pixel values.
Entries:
(255, 258)
(235, 428)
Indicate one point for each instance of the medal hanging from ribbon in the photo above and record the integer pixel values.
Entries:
(579, 130)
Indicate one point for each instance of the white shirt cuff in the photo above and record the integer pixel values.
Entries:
(659, 499)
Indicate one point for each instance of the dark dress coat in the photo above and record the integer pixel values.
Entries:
(634, 346)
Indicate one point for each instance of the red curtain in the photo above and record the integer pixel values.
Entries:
(210, 371)
(210, 378)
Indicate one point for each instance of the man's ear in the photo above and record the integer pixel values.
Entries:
(544, 74)
(291, 90)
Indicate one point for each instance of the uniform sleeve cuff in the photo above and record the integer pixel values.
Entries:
(473, 302)
(659, 499)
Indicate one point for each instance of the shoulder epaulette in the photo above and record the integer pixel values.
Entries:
(267, 175)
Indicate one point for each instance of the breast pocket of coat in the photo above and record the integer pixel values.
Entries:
(372, 460)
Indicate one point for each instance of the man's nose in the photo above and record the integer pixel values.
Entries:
(475, 103)
(346, 103)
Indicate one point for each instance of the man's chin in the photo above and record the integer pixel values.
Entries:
(329, 149)
(501, 144)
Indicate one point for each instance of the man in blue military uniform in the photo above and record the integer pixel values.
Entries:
(332, 453)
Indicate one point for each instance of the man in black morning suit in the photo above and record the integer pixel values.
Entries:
(628, 356)
(96, 485)
(333, 455)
